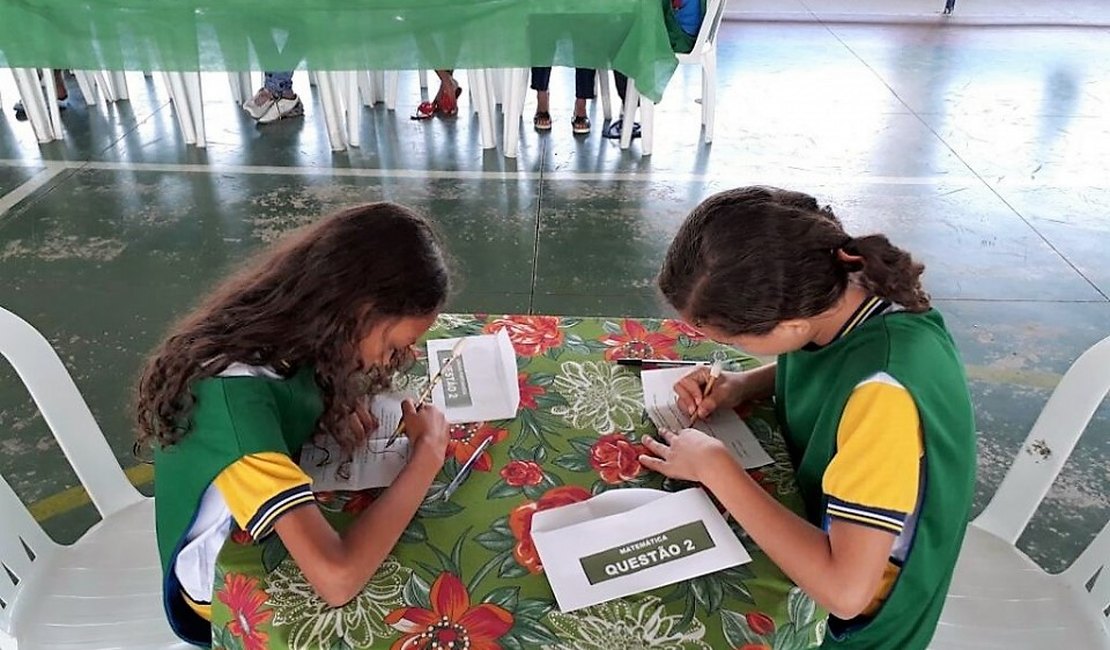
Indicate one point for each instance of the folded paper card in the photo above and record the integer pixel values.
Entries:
(630, 540)
(481, 384)
(661, 405)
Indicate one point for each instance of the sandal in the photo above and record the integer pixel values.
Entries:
(580, 125)
(449, 106)
(614, 130)
(426, 110)
(542, 121)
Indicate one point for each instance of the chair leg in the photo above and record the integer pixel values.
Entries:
(631, 101)
(365, 88)
(354, 109)
(392, 83)
(332, 117)
(603, 93)
(104, 83)
(53, 111)
(180, 99)
(516, 80)
(483, 104)
(87, 85)
(709, 99)
(30, 92)
(423, 79)
(196, 106)
(647, 126)
(119, 85)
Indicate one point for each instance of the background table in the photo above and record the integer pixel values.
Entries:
(467, 570)
(329, 35)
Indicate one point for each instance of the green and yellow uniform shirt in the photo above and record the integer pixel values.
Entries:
(234, 467)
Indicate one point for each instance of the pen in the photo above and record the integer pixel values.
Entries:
(714, 373)
(426, 394)
(663, 363)
(464, 471)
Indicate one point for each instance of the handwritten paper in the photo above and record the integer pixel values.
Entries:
(661, 405)
(372, 465)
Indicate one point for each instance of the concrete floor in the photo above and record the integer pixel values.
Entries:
(983, 150)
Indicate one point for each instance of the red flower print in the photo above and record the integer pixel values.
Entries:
(635, 342)
(241, 537)
(520, 522)
(519, 473)
(528, 392)
(531, 335)
(465, 439)
(682, 328)
(760, 623)
(754, 646)
(243, 597)
(452, 623)
(358, 502)
(616, 458)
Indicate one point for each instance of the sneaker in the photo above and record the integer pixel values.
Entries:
(282, 108)
(257, 106)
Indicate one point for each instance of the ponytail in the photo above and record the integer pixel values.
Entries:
(749, 258)
(889, 272)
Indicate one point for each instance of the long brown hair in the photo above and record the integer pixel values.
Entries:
(749, 258)
(306, 301)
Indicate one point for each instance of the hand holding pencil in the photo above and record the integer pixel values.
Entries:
(426, 394)
(707, 389)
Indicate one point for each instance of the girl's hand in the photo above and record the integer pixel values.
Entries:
(427, 433)
(363, 422)
(688, 455)
(729, 391)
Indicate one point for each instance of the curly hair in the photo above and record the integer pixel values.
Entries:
(305, 302)
(749, 258)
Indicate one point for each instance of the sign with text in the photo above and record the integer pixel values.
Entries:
(631, 540)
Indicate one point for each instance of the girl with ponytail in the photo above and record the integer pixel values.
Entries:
(869, 390)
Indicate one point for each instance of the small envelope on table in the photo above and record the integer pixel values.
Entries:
(481, 384)
(627, 541)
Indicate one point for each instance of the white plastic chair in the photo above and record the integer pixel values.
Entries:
(42, 111)
(188, 105)
(1000, 598)
(104, 591)
(704, 54)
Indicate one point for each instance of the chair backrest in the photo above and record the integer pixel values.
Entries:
(67, 415)
(710, 24)
(23, 544)
(1066, 414)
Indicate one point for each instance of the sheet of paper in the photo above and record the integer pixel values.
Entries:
(627, 541)
(374, 465)
(482, 384)
(661, 404)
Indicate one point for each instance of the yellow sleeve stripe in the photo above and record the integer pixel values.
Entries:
(258, 488)
(873, 517)
(878, 449)
(203, 610)
(262, 523)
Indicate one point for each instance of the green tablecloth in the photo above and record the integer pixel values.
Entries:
(239, 35)
(466, 569)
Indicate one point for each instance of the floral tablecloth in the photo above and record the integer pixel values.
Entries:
(466, 573)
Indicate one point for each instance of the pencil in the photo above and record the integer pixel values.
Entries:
(426, 394)
(714, 373)
(464, 471)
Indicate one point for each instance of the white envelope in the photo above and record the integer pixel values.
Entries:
(631, 540)
(482, 385)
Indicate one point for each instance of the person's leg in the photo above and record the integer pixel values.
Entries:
(621, 82)
(541, 81)
(449, 92)
(614, 130)
(280, 84)
(584, 80)
(60, 86)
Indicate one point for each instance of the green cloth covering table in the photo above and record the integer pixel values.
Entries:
(330, 35)
(466, 570)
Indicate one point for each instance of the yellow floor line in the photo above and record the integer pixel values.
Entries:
(76, 496)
